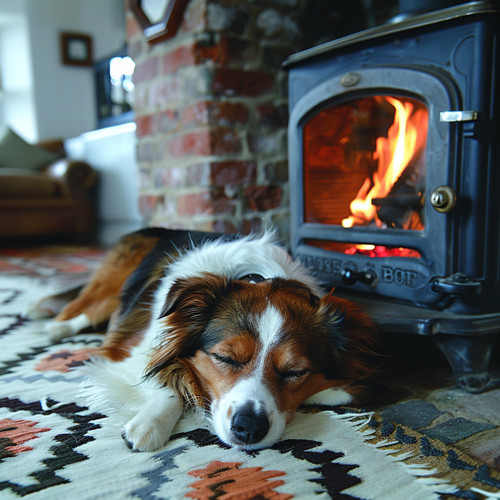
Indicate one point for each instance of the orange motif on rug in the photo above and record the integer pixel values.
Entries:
(64, 361)
(230, 480)
(13, 433)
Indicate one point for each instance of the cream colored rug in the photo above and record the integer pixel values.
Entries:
(52, 446)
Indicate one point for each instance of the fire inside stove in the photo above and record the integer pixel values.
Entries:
(364, 166)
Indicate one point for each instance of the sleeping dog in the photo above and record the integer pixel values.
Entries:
(232, 326)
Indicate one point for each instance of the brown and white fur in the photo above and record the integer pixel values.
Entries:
(236, 328)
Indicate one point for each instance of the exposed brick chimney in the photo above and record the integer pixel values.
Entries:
(211, 113)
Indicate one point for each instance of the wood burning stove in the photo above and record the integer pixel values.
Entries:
(394, 166)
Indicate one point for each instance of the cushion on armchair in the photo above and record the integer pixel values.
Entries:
(16, 153)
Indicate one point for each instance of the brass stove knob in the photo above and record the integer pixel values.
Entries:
(443, 199)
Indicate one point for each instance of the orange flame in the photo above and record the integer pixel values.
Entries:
(406, 136)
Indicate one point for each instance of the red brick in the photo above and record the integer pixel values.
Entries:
(175, 88)
(224, 141)
(204, 143)
(196, 114)
(222, 203)
(262, 198)
(233, 172)
(171, 177)
(198, 175)
(144, 125)
(181, 56)
(146, 70)
(230, 81)
(267, 144)
(148, 204)
(252, 225)
(213, 112)
(226, 51)
(166, 121)
(194, 204)
(224, 226)
(196, 53)
(205, 203)
(163, 91)
(216, 53)
(192, 143)
(227, 113)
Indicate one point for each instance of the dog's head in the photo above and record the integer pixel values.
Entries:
(252, 353)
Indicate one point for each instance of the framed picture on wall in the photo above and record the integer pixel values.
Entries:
(76, 49)
(159, 19)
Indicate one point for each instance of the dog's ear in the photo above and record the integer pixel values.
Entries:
(195, 295)
(352, 338)
(189, 306)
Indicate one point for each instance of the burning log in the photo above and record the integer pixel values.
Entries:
(402, 207)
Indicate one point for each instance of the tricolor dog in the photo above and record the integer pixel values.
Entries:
(232, 326)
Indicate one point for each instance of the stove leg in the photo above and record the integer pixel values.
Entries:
(469, 357)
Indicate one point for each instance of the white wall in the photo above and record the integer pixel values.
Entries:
(18, 96)
(59, 100)
(112, 152)
(18, 104)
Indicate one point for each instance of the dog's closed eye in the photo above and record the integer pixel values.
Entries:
(227, 361)
(292, 375)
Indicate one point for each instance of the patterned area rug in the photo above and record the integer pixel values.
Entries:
(52, 446)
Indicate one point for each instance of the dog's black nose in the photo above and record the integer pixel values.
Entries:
(249, 426)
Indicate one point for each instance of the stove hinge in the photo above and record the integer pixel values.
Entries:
(457, 284)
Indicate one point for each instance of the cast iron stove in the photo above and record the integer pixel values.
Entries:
(394, 166)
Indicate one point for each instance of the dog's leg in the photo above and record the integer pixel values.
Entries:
(151, 428)
(100, 297)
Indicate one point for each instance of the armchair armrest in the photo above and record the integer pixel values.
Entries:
(76, 177)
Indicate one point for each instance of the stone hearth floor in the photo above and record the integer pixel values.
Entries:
(427, 399)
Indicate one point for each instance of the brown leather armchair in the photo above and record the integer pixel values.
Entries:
(58, 199)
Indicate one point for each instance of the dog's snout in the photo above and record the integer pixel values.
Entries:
(248, 425)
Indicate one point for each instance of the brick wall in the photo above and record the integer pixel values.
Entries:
(211, 108)
(211, 113)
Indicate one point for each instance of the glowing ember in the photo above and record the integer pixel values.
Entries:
(381, 251)
(405, 141)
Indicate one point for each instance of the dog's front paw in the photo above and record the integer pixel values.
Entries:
(57, 330)
(145, 436)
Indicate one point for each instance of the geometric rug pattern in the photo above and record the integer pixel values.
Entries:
(53, 446)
